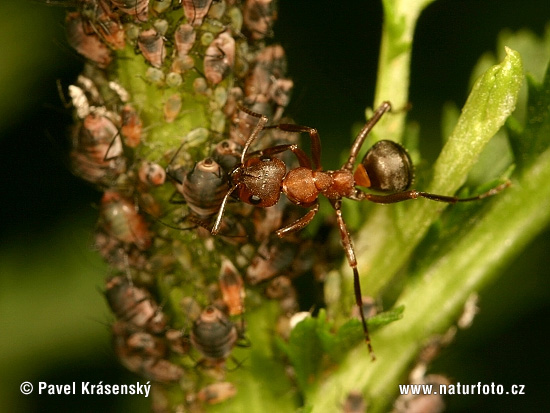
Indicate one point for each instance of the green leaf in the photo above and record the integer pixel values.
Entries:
(536, 134)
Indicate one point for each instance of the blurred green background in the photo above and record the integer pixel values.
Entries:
(54, 322)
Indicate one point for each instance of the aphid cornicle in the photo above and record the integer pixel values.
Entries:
(260, 178)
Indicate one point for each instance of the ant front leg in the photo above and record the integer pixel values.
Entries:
(350, 254)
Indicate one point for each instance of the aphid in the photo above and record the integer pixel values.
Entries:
(214, 335)
(273, 258)
(151, 44)
(134, 305)
(160, 6)
(234, 96)
(131, 126)
(184, 38)
(147, 344)
(227, 154)
(204, 188)
(241, 127)
(151, 174)
(217, 392)
(144, 354)
(107, 25)
(174, 79)
(121, 220)
(269, 64)
(354, 403)
(88, 45)
(219, 58)
(260, 179)
(196, 10)
(177, 341)
(136, 8)
(232, 287)
(96, 154)
(281, 289)
(172, 107)
(258, 18)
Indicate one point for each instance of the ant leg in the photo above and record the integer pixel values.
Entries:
(303, 160)
(313, 135)
(300, 223)
(350, 254)
(356, 147)
(413, 194)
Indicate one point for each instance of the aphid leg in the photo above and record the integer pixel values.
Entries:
(350, 254)
(300, 223)
(358, 143)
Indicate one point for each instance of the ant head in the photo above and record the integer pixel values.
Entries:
(259, 181)
(386, 167)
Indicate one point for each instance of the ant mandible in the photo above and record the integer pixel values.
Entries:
(260, 178)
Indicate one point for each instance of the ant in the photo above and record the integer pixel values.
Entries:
(260, 178)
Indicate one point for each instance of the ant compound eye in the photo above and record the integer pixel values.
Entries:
(388, 167)
(254, 200)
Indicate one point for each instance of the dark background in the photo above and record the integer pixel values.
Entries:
(53, 317)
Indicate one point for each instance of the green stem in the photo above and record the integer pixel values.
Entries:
(400, 19)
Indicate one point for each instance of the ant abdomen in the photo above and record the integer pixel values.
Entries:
(388, 166)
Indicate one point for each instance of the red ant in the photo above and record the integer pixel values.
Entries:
(260, 178)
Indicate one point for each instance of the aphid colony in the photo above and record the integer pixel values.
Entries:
(178, 173)
(159, 196)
